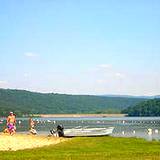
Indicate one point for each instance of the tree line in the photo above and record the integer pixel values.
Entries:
(24, 103)
(146, 108)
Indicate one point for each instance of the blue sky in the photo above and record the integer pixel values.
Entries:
(81, 47)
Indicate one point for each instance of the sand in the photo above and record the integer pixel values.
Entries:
(79, 115)
(22, 141)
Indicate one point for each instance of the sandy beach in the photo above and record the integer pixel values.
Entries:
(22, 141)
(79, 115)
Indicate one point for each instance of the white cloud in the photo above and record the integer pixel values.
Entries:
(3, 83)
(120, 75)
(100, 68)
(104, 73)
(30, 54)
(26, 75)
(101, 81)
(105, 66)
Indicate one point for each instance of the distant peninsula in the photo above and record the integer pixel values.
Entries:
(146, 108)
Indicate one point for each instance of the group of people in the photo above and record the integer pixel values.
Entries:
(11, 125)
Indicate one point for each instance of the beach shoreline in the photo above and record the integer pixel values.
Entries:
(26, 141)
(78, 115)
(72, 116)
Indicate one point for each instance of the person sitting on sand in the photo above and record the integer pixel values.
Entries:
(32, 126)
(11, 123)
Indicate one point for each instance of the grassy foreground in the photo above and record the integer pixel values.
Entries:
(89, 148)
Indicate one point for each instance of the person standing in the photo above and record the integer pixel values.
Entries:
(11, 123)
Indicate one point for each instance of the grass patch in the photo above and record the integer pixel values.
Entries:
(91, 148)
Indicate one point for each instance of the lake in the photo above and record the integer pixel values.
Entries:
(124, 126)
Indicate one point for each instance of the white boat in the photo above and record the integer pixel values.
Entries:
(80, 132)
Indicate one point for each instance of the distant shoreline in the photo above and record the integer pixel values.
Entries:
(79, 115)
(71, 115)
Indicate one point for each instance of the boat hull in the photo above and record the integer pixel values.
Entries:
(88, 132)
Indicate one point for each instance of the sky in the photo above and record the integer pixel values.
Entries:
(81, 47)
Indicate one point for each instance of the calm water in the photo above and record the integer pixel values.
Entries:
(124, 126)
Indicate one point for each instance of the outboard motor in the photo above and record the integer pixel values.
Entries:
(60, 130)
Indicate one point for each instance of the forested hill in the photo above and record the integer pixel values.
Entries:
(25, 102)
(147, 108)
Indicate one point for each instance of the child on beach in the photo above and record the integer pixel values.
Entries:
(32, 126)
